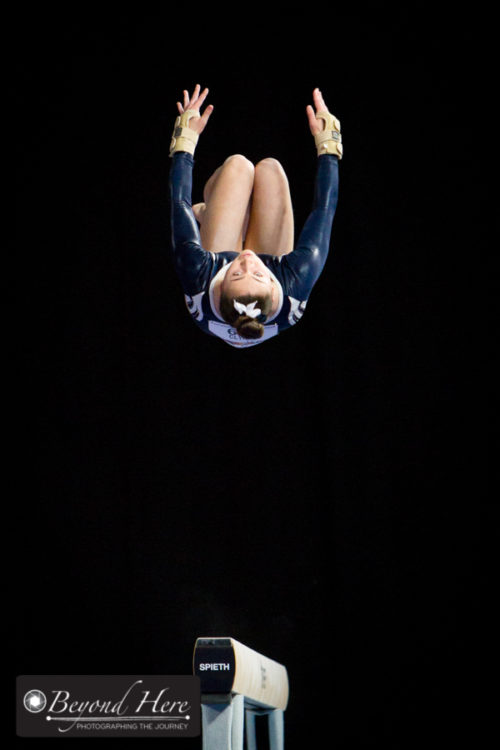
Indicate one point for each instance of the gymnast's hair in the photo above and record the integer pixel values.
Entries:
(247, 327)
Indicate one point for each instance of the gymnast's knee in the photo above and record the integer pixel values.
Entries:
(269, 163)
(270, 166)
(240, 163)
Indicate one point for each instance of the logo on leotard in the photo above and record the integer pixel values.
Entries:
(194, 306)
(232, 337)
(296, 310)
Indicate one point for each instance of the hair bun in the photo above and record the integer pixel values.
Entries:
(248, 327)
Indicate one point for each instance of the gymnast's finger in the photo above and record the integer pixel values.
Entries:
(206, 114)
(319, 101)
(194, 98)
(180, 108)
(202, 97)
(313, 122)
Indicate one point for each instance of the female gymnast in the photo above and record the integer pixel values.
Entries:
(243, 281)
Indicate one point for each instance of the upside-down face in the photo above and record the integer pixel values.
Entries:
(248, 275)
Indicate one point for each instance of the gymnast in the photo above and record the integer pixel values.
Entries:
(234, 254)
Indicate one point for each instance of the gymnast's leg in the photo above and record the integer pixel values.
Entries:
(224, 215)
(271, 226)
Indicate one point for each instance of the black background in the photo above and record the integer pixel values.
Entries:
(311, 497)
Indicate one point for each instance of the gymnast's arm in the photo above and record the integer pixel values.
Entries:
(304, 265)
(186, 240)
(189, 256)
(307, 261)
(314, 241)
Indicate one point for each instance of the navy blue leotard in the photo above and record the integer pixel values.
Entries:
(295, 272)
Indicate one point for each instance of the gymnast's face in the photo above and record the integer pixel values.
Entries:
(247, 274)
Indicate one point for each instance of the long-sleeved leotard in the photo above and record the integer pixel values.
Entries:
(295, 272)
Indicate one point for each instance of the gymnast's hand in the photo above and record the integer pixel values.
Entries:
(195, 102)
(315, 125)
